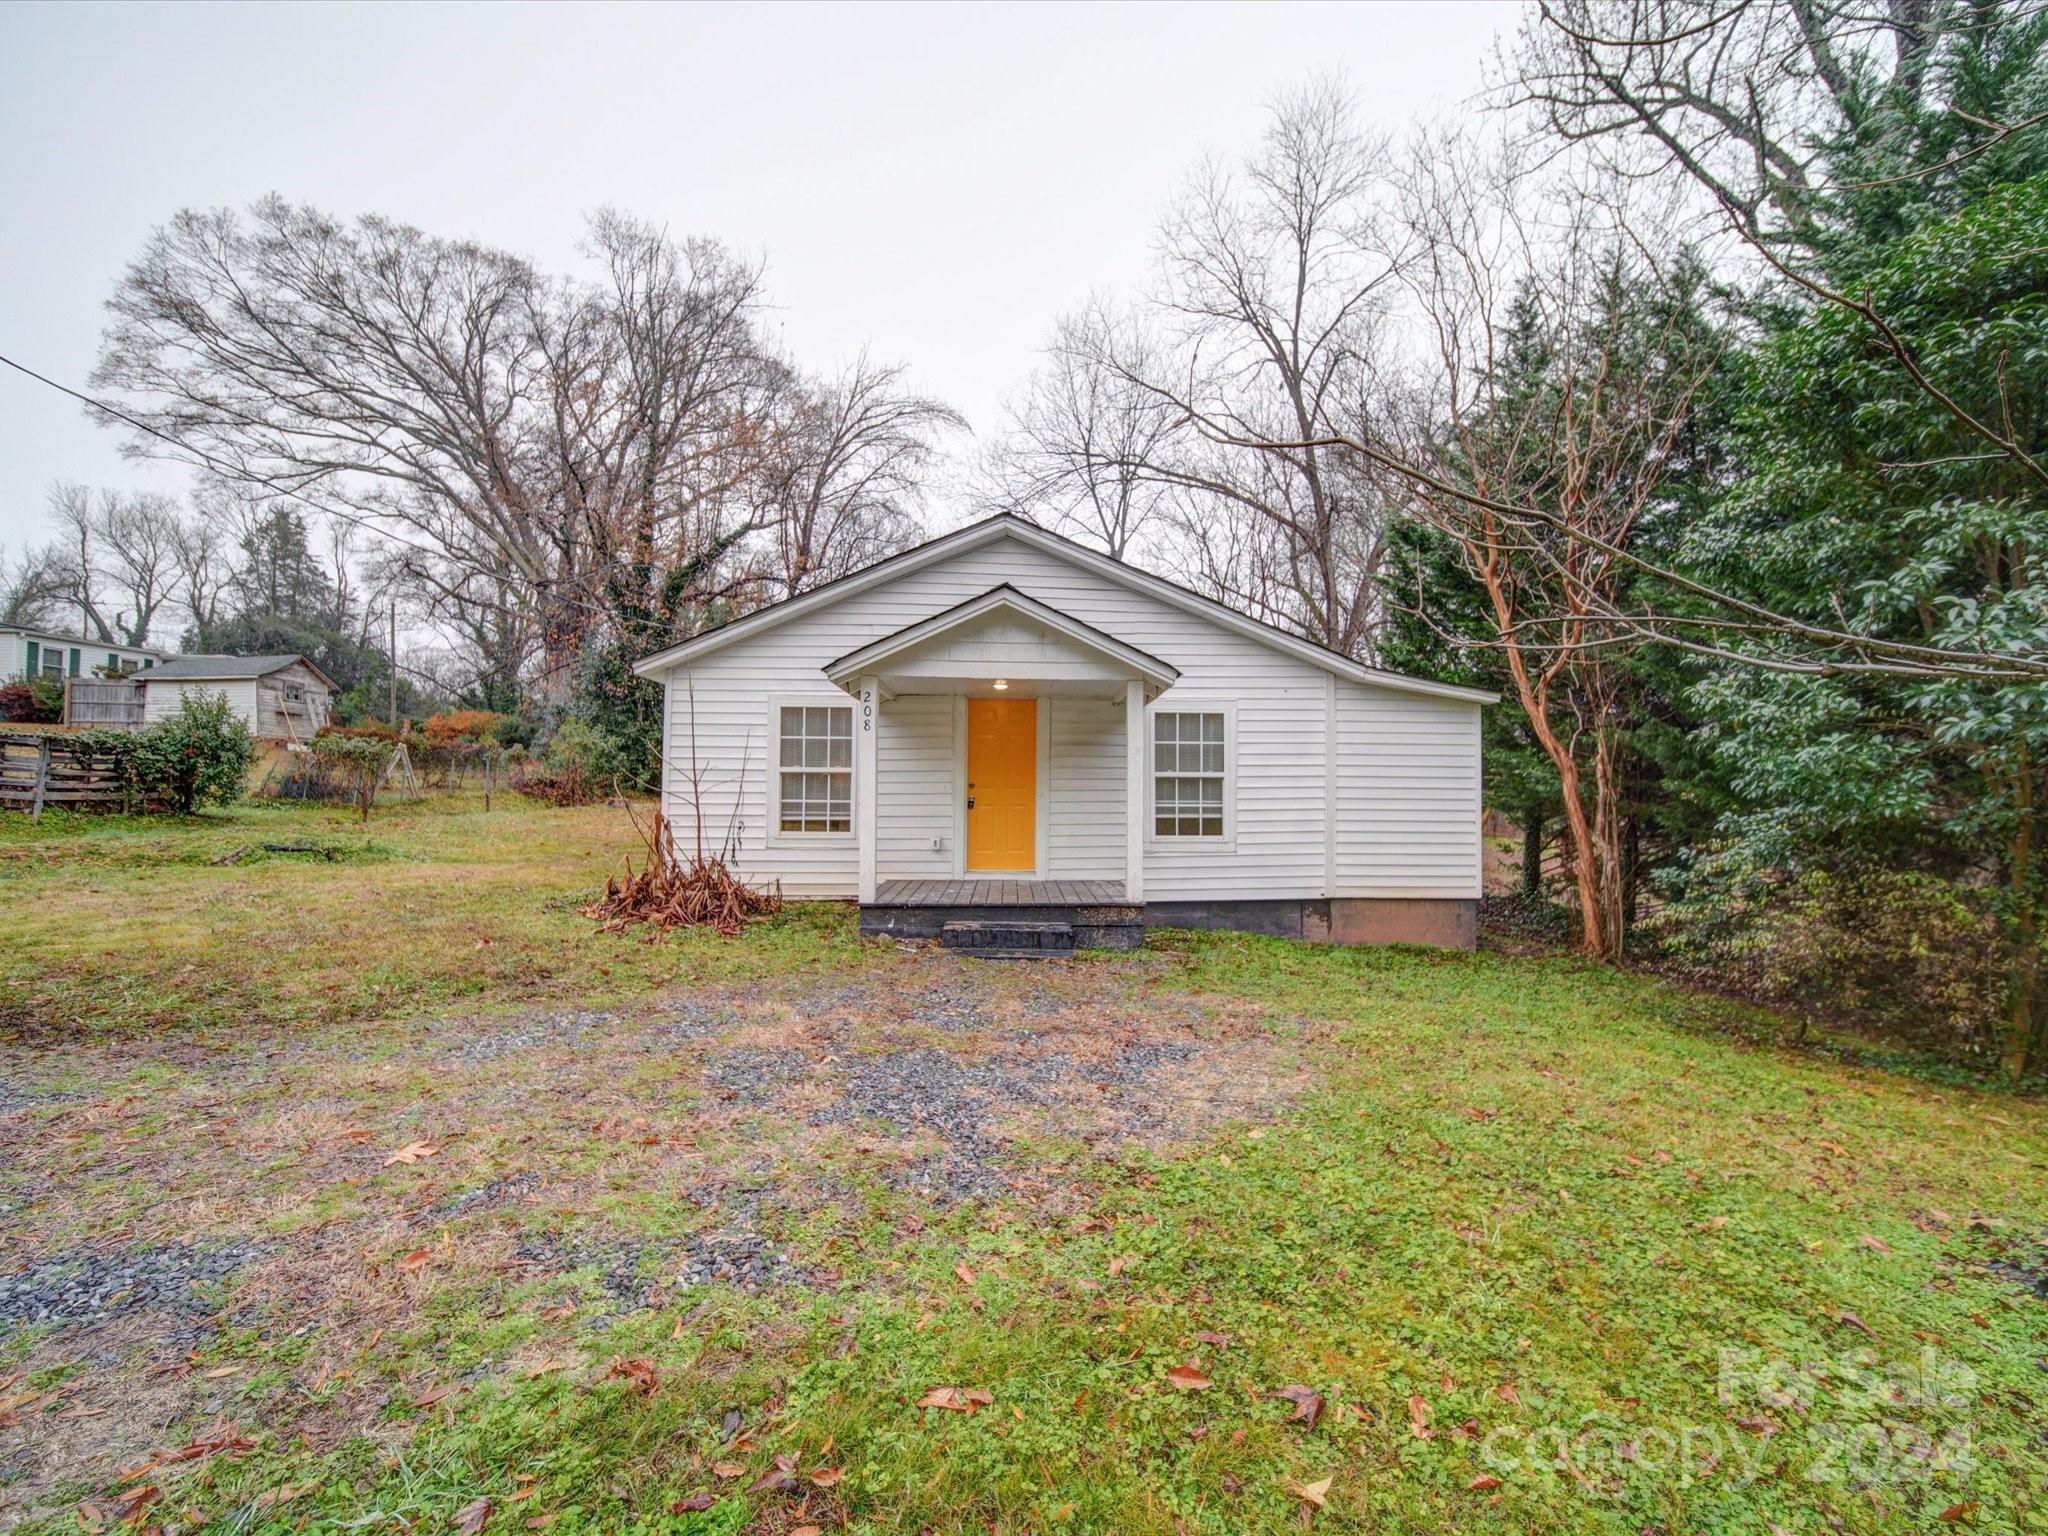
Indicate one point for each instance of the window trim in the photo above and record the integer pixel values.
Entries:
(1227, 708)
(771, 809)
(49, 654)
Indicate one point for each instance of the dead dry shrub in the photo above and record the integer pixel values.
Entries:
(669, 893)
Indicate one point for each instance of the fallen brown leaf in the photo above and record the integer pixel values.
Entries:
(777, 1479)
(412, 1152)
(636, 1371)
(957, 1399)
(1188, 1379)
(827, 1477)
(474, 1516)
(1308, 1403)
(1418, 1419)
(1315, 1495)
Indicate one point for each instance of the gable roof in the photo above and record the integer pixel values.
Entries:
(229, 668)
(1007, 525)
(1002, 599)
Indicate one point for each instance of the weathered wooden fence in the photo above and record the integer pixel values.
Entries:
(103, 702)
(39, 768)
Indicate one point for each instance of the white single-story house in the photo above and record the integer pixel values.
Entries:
(1001, 718)
(280, 698)
(29, 652)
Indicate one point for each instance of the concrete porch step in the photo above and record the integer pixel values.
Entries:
(1009, 939)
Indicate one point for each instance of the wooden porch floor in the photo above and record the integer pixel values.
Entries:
(999, 893)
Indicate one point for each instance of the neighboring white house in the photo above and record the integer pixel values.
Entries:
(280, 698)
(1003, 717)
(27, 652)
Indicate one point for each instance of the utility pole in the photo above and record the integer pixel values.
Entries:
(391, 667)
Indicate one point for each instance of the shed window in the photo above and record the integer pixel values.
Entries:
(53, 661)
(1188, 768)
(295, 693)
(816, 768)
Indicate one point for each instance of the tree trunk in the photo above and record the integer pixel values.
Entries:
(1532, 853)
(2026, 1018)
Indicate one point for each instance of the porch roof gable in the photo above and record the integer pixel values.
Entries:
(1126, 659)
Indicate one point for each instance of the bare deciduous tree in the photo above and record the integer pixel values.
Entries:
(1741, 96)
(115, 559)
(846, 476)
(1083, 438)
(1564, 376)
(1263, 324)
(31, 585)
(553, 461)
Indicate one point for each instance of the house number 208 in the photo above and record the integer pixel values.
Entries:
(867, 710)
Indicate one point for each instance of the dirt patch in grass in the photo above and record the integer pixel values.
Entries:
(346, 1209)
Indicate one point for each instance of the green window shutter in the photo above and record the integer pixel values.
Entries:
(35, 656)
(113, 662)
(148, 662)
(74, 661)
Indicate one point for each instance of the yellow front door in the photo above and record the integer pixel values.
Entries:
(1002, 784)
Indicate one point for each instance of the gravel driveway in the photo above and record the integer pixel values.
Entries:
(324, 1188)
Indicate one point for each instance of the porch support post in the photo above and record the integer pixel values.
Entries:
(867, 723)
(1134, 792)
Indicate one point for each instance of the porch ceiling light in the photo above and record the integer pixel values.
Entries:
(1002, 683)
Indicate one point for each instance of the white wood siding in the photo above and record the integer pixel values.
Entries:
(1087, 799)
(1407, 795)
(915, 788)
(160, 699)
(1277, 843)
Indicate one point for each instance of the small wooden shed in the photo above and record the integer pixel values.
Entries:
(280, 698)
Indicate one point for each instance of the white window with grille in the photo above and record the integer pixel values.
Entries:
(814, 769)
(1190, 774)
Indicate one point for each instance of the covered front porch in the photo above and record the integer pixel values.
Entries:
(1000, 771)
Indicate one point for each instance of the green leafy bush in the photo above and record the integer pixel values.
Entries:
(198, 757)
(580, 764)
(1900, 957)
(516, 731)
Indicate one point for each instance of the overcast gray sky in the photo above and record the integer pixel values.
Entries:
(935, 182)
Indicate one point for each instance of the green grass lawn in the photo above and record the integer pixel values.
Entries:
(1530, 1245)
